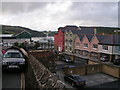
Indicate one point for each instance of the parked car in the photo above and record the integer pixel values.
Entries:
(75, 80)
(104, 58)
(116, 61)
(13, 59)
(66, 59)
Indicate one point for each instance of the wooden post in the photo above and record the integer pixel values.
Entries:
(98, 56)
(110, 58)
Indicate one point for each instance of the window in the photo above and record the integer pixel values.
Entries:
(95, 46)
(85, 45)
(66, 35)
(13, 55)
(70, 35)
(77, 44)
(70, 49)
(70, 42)
(105, 47)
(66, 47)
(119, 48)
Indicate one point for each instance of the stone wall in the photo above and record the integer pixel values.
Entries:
(95, 68)
(83, 70)
(38, 76)
(40, 53)
(111, 70)
(108, 68)
(80, 70)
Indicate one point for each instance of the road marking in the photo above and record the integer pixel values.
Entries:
(22, 81)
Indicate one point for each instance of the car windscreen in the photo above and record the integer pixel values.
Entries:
(77, 77)
(12, 55)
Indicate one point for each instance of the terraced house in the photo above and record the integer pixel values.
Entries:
(86, 46)
(70, 36)
(110, 47)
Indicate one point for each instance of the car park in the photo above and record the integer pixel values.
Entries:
(75, 80)
(104, 59)
(13, 59)
(116, 61)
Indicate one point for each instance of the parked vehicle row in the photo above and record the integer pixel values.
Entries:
(106, 59)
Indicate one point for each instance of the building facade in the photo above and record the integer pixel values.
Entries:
(59, 39)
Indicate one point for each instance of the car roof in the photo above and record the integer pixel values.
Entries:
(75, 75)
(13, 50)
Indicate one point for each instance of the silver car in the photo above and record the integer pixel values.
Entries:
(13, 59)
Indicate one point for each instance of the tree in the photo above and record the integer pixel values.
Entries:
(37, 44)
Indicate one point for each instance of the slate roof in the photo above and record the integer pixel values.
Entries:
(87, 30)
(62, 29)
(76, 31)
(68, 27)
(80, 37)
(89, 37)
(111, 40)
(101, 37)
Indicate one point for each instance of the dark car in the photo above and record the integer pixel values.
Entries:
(66, 59)
(75, 80)
(116, 61)
(104, 59)
(13, 59)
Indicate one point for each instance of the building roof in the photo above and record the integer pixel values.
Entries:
(87, 30)
(101, 37)
(20, 33)
(111, 40)
(76, 31)
(68, 27)
(6, 35)
(71, 27)
(80, 37)
(89, 37)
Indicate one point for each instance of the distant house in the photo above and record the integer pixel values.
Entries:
(9, 39)
(46, 43)
(59, 39)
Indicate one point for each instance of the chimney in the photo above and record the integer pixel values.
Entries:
(95, 31)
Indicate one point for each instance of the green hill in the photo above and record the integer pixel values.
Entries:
(17, 29)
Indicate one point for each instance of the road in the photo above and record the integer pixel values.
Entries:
(12, 80)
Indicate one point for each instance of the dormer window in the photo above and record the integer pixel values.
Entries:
(95, 46)
(77, 44)
(85, 45)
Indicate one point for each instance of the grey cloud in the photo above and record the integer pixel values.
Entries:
(105, 12)
(20, 7)
(79, 13)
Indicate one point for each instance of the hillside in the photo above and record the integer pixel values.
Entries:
(17, 29)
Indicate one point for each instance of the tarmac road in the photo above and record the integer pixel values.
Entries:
(12, 80)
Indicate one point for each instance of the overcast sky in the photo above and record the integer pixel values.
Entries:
(51, 15)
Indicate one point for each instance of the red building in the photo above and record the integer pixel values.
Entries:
(59, 39)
